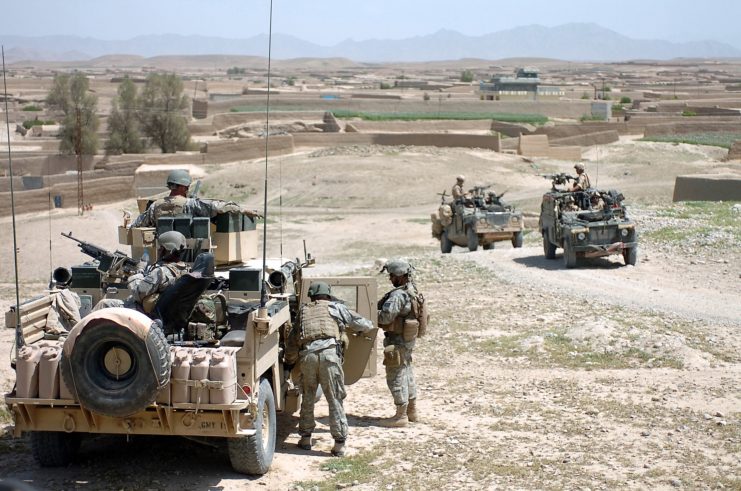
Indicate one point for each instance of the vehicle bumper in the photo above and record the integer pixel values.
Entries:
(599, 250)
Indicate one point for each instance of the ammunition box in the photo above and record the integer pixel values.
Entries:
(85, 276)
(248, 223)
(201, 228)
(124, 235)
(234, 247)
(165, 224)
(142, 237)
(182, 225)
(228, 222)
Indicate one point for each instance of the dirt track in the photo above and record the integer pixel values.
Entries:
(532, 377)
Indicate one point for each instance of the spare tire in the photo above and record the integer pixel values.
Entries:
(116, 370)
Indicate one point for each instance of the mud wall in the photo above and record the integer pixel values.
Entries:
(225, 120)
(247, 149)
(421, 126)
(47, 164)
(684, 128)
(734, 153)
(539, 146)
(588, 139)
(412, 139)
(96, 191)
(708, 187)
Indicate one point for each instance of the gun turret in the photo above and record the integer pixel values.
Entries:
(114, 264)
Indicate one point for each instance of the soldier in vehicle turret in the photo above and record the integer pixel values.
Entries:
(178, 203)
(146, 285)
(320, 340)
(457, 191)
(582, 181)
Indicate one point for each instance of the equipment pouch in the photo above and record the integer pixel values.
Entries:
(149, 302)
(410, 330)
(392, 356)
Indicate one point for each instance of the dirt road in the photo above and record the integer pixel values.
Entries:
(532, 376)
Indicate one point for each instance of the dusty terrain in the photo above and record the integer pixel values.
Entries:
(531, 376)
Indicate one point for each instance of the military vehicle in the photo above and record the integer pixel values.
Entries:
(585, 224)
(481, 218)
(175, 371)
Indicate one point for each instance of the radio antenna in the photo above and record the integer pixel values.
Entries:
(19, 341)
(263, 292)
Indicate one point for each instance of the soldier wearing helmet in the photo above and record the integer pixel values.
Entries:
(178, 203)
(582, 181)
(146, 286)
(402, 315)
(457, 190)
(317, 344)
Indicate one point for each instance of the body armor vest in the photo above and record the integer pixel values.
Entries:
(169, 206)
(316, 323)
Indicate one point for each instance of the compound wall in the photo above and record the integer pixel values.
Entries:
(411, 139)
(708, 187)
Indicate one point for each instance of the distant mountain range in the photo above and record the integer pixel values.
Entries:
(575, 42)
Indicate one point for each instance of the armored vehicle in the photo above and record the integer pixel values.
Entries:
(481, 218)
(180, 370)
(586, 224)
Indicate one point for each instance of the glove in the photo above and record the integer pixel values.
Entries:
(252, 213)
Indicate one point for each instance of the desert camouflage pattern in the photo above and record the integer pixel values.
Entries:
(323, 367)
(145, 287)
(582, 182)
(179, 205)
(400, 379)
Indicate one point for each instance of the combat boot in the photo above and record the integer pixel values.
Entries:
(400, 419)
(304, 443)
(339, 448)
(412, 415)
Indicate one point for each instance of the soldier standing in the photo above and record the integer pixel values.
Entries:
(457, 190)
(402, 315)
(322, 327)
(582, 181)
(178, 203)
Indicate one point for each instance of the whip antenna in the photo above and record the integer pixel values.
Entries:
(263, 293)
(19, 341)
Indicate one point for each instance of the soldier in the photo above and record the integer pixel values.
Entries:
(596, 202)
(146, 286)
(457, 190)
(402, 316)
(319, 338)
(582, 181)
(178, 203)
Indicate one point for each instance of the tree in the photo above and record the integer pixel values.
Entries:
(161, 112)
(123, 124)
(467, 76)
(71, 95)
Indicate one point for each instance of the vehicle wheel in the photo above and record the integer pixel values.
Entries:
(54, 448)
(445, 244)
(630, 256)
(549, 250)
(569, 254)
(472, 240)
(114, 371)
(489, 246)
(517, 240)
(254, 454)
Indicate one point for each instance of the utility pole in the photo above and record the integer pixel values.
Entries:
(78, 153)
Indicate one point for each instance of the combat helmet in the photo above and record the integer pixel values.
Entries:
(460, 178)
(178, 177)
(319, 288)
(172, 241)
(579, 166)
(397, 267)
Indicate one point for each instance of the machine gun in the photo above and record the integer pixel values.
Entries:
(558, 179)
(114, 264)
(442, 195)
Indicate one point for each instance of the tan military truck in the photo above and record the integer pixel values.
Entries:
(119, 371)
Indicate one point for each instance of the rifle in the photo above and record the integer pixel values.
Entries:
(193, 193)
(114, 264)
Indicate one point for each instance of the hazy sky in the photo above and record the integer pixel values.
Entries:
(327, 22)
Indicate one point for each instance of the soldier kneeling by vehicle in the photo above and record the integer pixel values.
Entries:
(147, 285)
(320, 340)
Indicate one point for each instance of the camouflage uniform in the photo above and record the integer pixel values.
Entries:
(179, 205)
(321, 364)
(400, 379)
(582, 182)
(457, 192)
(145, 287)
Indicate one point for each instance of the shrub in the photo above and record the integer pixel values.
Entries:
(467, 76)
(625, 100)
(30, 123)
(32, 107)
(385, 86)
(585, 96)
(687, 112)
